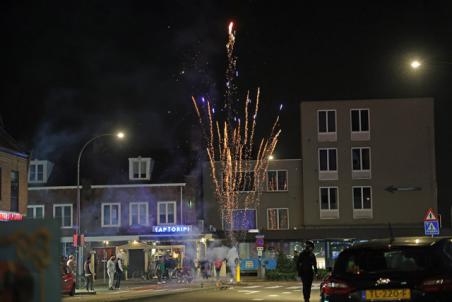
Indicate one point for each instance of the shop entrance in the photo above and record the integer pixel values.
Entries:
(136, 263)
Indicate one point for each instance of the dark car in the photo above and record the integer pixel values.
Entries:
(398, 269)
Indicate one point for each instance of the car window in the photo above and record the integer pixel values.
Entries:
(360, 261)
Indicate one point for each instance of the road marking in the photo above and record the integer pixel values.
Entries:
(252, 286)
(257, 299)
(273, 295)
(286, 292)
(293, 287)
(296, 290)
(120, 292)
(276, 286)
(248, 292)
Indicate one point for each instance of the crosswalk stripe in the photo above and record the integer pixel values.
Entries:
(276, 286)
(257, 299)
(293, 287)
(286, 292)
(273, 295)
(252, 286)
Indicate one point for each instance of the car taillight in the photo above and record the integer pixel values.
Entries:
(434, 285)
(336, 287)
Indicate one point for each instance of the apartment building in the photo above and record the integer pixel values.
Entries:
(368, 167)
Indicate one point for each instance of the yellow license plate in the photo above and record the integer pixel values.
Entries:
(388, 294)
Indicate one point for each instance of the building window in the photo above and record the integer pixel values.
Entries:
(35, 212)
(328, 164)
(138, 213)
(329, 202)
(360, 120)
(63, 214)
(111, 215)
(14, 191)
(245, 181)
(36, 173)
(242, 220)
(328, 159)
(360, 125)
(278, 219)
(326, 121)
(139, 168)
(362, 202)
(166, 212)
(277, 180)
(361, 163)
(362, 198)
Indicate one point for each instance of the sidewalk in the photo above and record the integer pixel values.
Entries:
(135, 289)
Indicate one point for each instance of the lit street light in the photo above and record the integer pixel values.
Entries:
(415, 64)
(119, 135)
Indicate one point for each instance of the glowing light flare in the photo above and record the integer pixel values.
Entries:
(415, 64)
(231, 25)
(281, 107)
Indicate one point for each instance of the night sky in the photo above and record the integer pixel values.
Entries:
(73, 69)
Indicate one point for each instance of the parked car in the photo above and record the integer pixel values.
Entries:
(67, 282)
(398, 269)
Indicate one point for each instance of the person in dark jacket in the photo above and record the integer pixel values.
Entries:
(307, 267)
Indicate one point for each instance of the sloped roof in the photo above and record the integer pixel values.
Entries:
(9, 145)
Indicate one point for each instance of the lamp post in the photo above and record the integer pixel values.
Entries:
(80, 261)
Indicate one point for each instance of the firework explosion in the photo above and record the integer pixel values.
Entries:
(238, 169)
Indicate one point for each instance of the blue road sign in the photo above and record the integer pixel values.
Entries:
(431, 227)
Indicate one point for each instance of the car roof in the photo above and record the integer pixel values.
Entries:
(399, 242)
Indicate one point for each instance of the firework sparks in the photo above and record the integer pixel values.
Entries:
(238, 170)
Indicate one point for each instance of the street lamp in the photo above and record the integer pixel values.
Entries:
(119, 135)
(415, 64)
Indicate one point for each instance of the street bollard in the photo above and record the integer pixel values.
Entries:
(237, 272)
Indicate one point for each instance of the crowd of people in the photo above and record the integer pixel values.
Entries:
(115, 270)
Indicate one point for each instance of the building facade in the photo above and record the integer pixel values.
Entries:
(368, 166)
(367, 171)
(277, 215)
(13, 179)
(143, 221)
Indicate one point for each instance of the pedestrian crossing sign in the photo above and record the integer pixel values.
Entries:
(431, 227)
(430, 215)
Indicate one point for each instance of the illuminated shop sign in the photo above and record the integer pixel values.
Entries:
(10, 216)
(172, 229)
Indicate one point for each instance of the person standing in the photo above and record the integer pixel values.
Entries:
(89, 274)
(71, 265)
(307, 267)
(218, 263)
(111, 269)
(119, 271)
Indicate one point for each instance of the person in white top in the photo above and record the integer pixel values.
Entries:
(111, 269)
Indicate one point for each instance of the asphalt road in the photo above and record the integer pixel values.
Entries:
(256, 292)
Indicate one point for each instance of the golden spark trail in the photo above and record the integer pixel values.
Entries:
(238, 170)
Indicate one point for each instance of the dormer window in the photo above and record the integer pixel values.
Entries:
(139, 168)
(39, 171)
